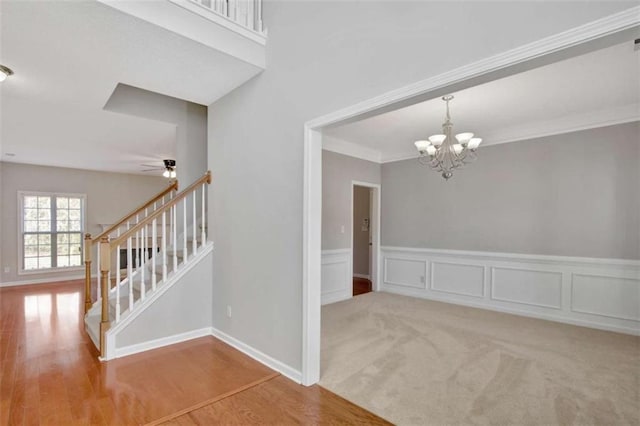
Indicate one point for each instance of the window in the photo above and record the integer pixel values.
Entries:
(52, 227)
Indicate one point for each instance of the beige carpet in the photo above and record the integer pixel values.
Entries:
(414, 361)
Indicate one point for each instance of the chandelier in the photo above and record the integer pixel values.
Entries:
(444, 154)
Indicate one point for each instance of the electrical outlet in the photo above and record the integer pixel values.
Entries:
(228, 311)
(7, 269)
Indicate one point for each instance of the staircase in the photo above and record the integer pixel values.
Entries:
(141, 257)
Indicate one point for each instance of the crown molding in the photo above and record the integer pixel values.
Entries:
(351, 149)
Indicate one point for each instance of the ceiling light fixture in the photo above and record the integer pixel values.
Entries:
(4, 73)
(444, 154)
(170, 169)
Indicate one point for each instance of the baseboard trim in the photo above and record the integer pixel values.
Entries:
(363, 276)
(161, 342)
(42, 280)
(259, 356)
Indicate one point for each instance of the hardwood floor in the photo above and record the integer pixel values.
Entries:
(361, 286)
(280, 401)
(50, 374)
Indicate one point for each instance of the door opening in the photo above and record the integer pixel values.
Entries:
(365, 236)
(361, 252)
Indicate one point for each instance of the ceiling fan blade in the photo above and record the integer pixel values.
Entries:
(156, 169)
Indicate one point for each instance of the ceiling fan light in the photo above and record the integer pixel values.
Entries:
(463, 138)
(172, 174)
(422, 146)
(474, 143)
(437, 140)
(166, 173)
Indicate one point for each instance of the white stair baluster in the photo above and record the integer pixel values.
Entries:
(143, 259)
(194, 244)
(175, 239)
(130, 271)
(164, 246)
(137, 250)
(154, 244)
(203, 220)
(184, 229)
(118, 282)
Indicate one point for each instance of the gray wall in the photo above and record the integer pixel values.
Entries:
(109, 197)
(322, 56)
(361, 211)
(575, 194)
(190, 120)
(338, 172)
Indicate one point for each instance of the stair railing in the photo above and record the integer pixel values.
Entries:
(152, 251)
(126, 222)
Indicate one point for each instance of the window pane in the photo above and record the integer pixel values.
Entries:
(75, 249)
(75, 238)
(31, 214)
(44, 250)
(74, 203)
(44, 214)
(62, 214)
(63, 261)
(44, 239)
(44, 202)
(74, 225)
(30, 226)
(31, 263)
(74, 214)
(30, 240)
(63, 238)
(74, 260)
(62, 202)
(30, 201)
(44, 226)
(44, 262)
(30, 251)
(63, 249)
(62, 226)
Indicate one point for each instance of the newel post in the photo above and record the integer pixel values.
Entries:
(105, 266)
(87, 272)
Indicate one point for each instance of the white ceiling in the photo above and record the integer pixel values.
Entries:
(592, 90)
(68, 57)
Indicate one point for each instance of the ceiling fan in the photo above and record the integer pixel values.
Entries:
(169, 168)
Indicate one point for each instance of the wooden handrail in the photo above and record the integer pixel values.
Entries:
(131, 231)
(173, 186)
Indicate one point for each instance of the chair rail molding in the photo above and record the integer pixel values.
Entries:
(596, 293)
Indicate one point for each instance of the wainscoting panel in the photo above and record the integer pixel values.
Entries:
(405, 272)
(337, 283)
(529, 287)
(457, 278)
(607, 296)
(598, 293)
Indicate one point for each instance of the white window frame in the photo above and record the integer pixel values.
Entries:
(20, 227)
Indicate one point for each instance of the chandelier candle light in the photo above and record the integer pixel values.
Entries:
(443, 153)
